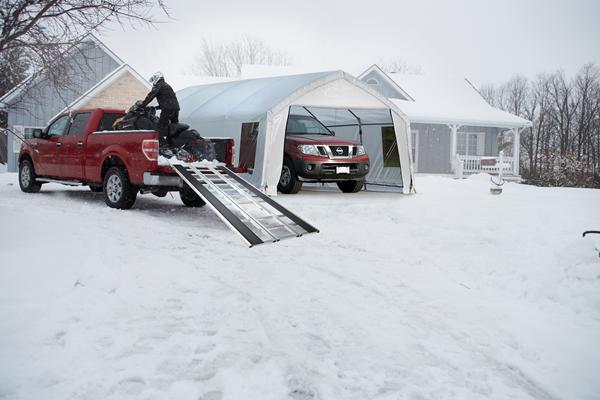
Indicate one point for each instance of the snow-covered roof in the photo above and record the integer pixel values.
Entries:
(441, 100)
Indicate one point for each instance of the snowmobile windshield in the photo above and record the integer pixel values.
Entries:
(305, 125)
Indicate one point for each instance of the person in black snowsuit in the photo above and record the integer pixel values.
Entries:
(167, 102)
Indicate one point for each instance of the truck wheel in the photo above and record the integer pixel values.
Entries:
(288, 182)
(118, 191)
(351, 186)
(27, 176)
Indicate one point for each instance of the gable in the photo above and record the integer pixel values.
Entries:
(40, 100)
(381, 83)
(121, 93)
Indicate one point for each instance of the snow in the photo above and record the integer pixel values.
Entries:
(449, 100)
(3, 168)
(451, 293)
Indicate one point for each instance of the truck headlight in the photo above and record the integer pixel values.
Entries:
(309, 149)
(360, 150)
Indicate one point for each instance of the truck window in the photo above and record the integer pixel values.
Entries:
(78, 124)
(59, 126)
(107, 121)
(305, 125)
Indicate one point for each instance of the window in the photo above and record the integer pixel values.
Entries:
(26, 132)
(107, 121)
(391, 158)
(372, 81)
(470, 144)
(248, 145)
(305, 125)
(59, 126)
(78, 124)
(29, 131)
(414, 144)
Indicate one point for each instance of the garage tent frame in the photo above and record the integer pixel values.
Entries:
(219, 110)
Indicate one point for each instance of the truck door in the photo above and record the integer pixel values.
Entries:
(49, 148)
(71, 158)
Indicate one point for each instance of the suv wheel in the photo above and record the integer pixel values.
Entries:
(190, 198)
(351, 186)
(27, 176)
(118, 191)
(288, 182)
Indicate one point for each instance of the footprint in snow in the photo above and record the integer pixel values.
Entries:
(130, 386)
(212, 395)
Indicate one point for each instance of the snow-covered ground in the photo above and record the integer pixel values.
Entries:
(448, 294)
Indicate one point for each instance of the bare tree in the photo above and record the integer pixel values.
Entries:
(227, 59)
(563, 145)
(44, 32)
(14, 67)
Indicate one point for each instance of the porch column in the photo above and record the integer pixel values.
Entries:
(516, 149)
(453, 145)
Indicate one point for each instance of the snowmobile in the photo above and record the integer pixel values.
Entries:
(182, 142)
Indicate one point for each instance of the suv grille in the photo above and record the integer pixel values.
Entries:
(339, 151)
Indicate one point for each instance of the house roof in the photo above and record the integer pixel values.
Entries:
(103, 84)
(15, 91)
(439, 100)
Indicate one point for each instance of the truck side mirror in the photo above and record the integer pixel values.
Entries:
(38, 133)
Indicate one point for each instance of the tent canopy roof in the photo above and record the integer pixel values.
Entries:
(244, 99)
(250, 99)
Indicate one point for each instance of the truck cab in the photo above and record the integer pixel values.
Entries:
(312, 153)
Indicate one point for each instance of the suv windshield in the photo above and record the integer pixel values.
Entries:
(305, 125)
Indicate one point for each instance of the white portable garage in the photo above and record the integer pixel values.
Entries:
(227, 109)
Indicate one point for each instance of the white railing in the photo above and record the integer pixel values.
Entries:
(476, 164)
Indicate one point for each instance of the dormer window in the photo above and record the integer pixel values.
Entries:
(372, 81)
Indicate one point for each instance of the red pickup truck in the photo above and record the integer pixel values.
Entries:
(80, 148)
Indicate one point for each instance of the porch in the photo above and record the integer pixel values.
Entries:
(467, 165)
(468, 157)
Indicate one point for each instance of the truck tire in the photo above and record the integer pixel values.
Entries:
(27, 177)
(190, 198)
(288, 182)
(118, 191)
(351, 186)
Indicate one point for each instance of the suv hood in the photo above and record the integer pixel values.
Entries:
(320, 139)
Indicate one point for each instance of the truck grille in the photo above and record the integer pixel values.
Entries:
(339, 151)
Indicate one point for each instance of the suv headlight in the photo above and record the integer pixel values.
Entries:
(309, 149)
(360, 150)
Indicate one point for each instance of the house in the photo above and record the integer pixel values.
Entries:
(99, 78)
(453, 128)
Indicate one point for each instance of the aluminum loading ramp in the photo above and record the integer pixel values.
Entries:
(245, 209)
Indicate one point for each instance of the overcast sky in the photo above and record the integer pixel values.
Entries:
(485, 41)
